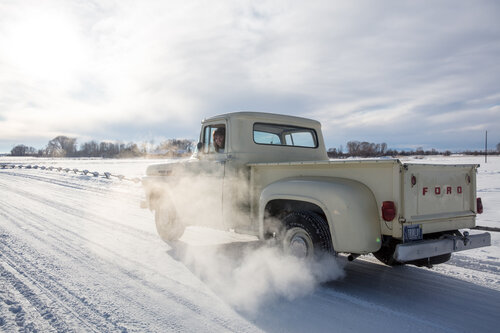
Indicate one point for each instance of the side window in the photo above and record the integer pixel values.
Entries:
(214, 138)
(284, 135)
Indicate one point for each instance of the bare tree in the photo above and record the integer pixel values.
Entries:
(129, 150)
(19, 150)
(383, 148)
(367, 149)
(353, 148)
(22, 150)
(61, 146)
(89, 149)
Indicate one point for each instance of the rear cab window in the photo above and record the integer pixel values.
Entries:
(284, 135)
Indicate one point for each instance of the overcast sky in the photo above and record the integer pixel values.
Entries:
(408, 73)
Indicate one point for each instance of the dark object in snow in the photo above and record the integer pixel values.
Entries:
(480, 227)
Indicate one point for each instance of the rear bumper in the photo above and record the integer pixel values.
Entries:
(431, 248)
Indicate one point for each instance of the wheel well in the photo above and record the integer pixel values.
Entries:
(276, 210)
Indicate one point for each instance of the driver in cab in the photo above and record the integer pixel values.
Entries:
(219, 139)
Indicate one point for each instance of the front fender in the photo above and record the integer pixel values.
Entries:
(349, 206)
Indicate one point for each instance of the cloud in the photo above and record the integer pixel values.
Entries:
(92, 68)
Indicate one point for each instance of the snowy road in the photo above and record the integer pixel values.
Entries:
(78, 254)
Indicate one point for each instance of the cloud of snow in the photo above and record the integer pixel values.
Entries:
(249, 277)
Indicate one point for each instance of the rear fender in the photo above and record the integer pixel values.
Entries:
(349, 206)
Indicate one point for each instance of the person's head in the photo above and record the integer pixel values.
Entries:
(219, 138)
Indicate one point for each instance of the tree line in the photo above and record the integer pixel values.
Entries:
(63, 146)
(370, 149)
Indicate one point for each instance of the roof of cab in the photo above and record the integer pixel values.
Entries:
(263, 116)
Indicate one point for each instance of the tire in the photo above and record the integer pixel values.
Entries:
(429, 262)
(306, 235)
(167, 224)
(386, 252)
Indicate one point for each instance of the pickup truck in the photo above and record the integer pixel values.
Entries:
(271, 177)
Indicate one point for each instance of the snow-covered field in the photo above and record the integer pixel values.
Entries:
(78, 254)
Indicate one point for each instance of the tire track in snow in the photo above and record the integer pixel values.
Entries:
(30, 296)
(55, 181)
(88, 184)
(36, 270)
(93, 218)
(78, 212)
(131, 193)
(75, 235)
(77, 253)
(56, 233)
(474, 264)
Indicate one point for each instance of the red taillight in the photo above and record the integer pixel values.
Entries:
(479, 205)
(388, 210)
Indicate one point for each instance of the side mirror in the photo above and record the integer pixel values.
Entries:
(199, 146)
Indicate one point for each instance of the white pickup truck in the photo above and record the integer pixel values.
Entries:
(270, 176)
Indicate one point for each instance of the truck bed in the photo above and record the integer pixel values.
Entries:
(441, 197)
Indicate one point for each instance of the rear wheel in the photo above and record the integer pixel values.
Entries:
(306, 235)
(167, 224)
(386, 252)
(428, 262)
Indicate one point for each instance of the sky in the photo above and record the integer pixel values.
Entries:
(408, 73)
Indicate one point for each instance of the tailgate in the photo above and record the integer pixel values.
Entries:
(439, 192)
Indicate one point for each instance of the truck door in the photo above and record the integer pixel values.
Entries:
(236, 198)
(211, 179)
(227, 191)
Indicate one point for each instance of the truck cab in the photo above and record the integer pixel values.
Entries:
(256, 137)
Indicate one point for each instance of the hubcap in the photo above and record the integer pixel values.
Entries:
(298, 243)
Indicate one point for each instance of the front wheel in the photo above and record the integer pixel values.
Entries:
(168, 225)
(306, 235)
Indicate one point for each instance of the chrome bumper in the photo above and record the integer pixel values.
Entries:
(431, 248)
